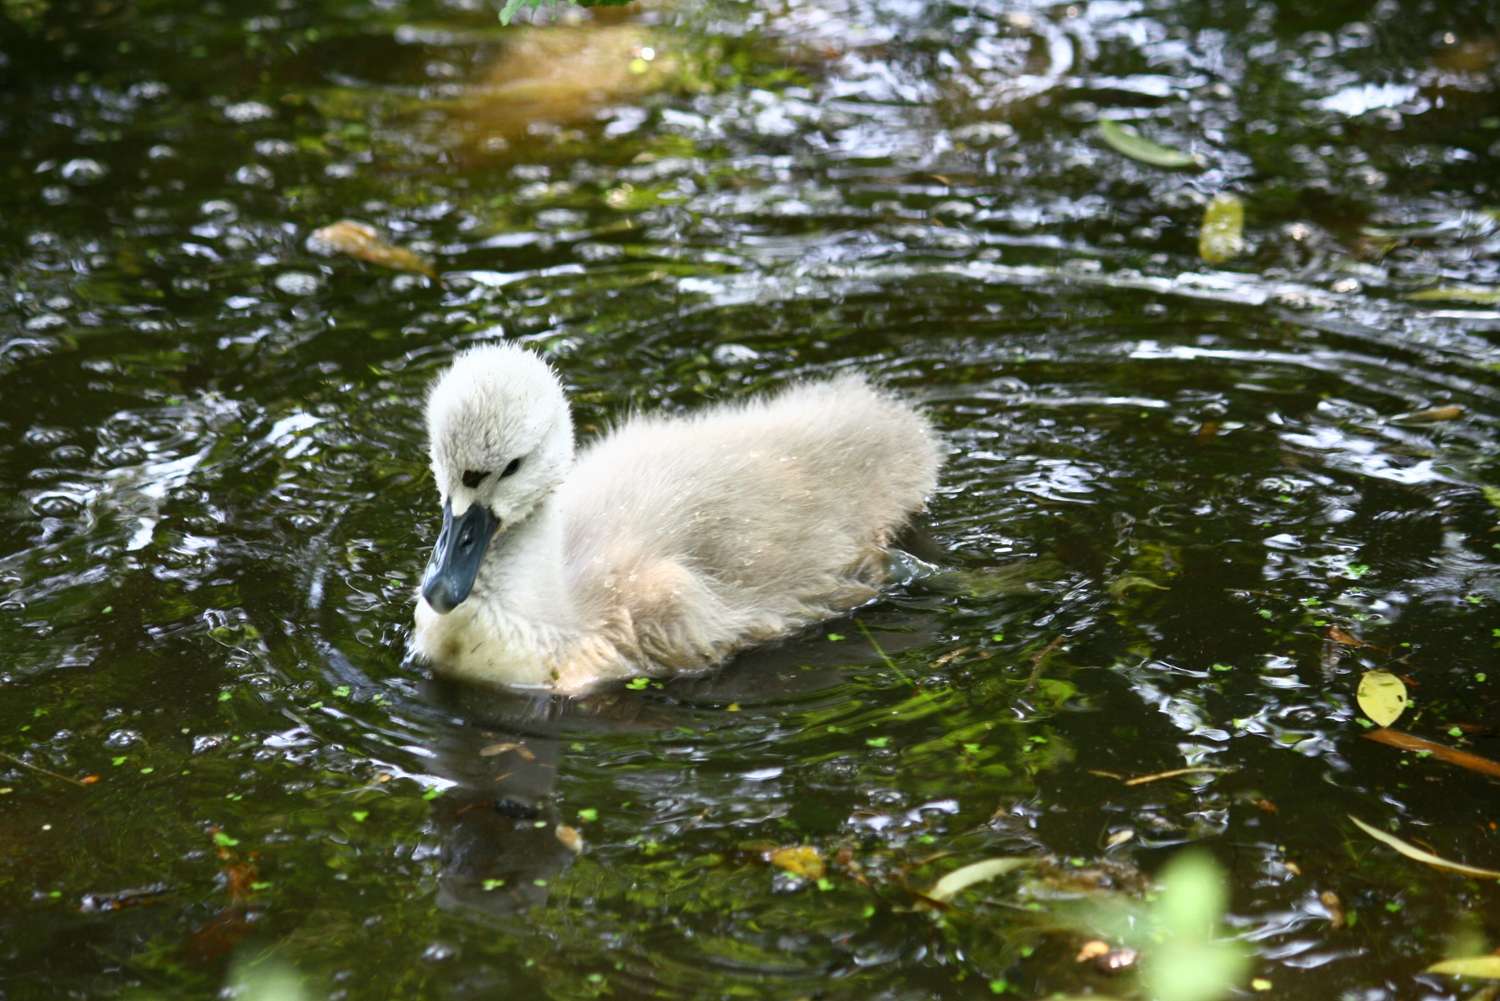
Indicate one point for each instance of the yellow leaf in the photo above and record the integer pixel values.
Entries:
(799, 860)
(1471, 966)
(1425, 857)
(959, 880)
(1382, 696)
(1222, 234)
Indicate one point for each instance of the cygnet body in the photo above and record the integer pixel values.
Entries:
(665, 546)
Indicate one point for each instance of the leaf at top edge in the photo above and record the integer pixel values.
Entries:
(1123, 139)
(511, 8)
(959, 880)
(1425, 857)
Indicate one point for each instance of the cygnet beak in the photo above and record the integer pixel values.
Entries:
(457, 555)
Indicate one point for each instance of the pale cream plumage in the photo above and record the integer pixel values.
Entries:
(668, 544)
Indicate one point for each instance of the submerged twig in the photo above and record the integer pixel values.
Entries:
(885, 656)
(1141, 780)
(1453, 756)
(38, 768)
(1038, 659)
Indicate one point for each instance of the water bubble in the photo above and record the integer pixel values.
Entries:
(254, 175)
(83, 171)
(730, 355)
(296, 283)
(45, 321)
(274, 148)
(248, 111)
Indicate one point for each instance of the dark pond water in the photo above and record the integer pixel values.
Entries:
(1182, 511)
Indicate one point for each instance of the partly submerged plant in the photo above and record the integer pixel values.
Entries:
(512, 7)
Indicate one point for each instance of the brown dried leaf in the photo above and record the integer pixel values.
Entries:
(1344, 639)
(1432, 415)
(570, 838)
(493, 749)
(799, 860)
(364, 243)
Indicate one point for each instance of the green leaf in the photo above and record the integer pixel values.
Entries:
(588, 815)
(877, 741)
(1221, 237)
(493, 884)
(359, 815)
(1474, 296)
(513, 6)
(637, 684)
(1124, 139)
(341, 692)
(959, 880)
(1191, 964)
(1382, 696)
(225, 841)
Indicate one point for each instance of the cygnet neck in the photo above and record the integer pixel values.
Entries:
(522, 578)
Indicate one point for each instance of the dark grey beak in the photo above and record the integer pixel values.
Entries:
(457, 555)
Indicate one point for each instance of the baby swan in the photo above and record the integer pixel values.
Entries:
(665, 546)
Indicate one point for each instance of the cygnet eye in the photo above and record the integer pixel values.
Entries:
(514, 465)
(472, 478)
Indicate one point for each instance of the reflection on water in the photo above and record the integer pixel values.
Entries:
(1185, 507)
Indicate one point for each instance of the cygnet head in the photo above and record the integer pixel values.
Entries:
(501, 439)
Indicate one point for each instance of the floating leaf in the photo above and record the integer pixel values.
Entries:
(1471, 966)
(569, 838)
(1222, 234)
(1432, 415)
(799, 860)
(1124, 139)
(959, 880)
(1126, 583)
(1477, 296)
(364, 243)
(1425, 857)
(1382, 696)
(522, 751)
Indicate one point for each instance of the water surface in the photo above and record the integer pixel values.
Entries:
(1185, 506)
